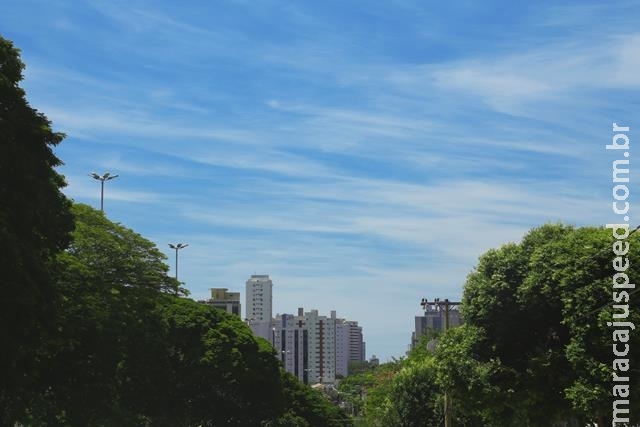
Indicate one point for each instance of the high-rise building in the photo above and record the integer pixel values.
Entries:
(342, 348)
(357, 352)
(350, 346)
(259, 303)
(433, 320)
(224, 300)
(322, 348)
(316, 348)
(291, 342)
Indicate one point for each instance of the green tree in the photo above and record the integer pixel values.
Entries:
(213, 370)
(108, 329)
(540, 344)
(34, 225)
(415, 396)
(308, 407)
(470, 381)
(377, 388)
(129, 352)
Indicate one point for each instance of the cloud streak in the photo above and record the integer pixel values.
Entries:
(363, 158)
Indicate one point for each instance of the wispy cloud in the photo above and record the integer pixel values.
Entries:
(362, 157)
(548, 74)
(82, 188)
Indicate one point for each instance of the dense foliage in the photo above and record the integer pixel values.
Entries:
(34, 224)
(541, 308)
(127, 351)
(535, 349)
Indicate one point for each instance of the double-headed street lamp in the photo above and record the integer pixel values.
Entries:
(102, 178)
(177, 247)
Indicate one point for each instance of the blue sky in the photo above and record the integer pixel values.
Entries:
(363, 154)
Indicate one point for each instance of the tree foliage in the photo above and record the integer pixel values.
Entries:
(540, 309)
(535, 349)
(127, 351)
(34, 224)
(308, 407)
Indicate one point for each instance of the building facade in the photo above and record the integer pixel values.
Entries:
(434, 321)
(223, 299)
(259, 305)
(316, 348)
(291, 342)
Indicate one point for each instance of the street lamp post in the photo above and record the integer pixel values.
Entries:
(102, 178)
(177, 247)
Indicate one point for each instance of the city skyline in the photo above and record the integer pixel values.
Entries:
(363, 155)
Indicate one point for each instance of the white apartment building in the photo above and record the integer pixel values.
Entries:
(291, 342)
(259, 305)
(322, 347)
(316, 348)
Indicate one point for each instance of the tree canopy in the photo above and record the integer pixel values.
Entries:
(128, 351)
(537, 333)
(34, 225)
(535, 348)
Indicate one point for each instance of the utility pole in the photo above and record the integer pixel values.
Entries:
(444, 306)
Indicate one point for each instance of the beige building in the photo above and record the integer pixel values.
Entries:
(223, 299)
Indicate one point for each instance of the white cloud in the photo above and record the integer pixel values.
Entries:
(548, 74)
(357, 174)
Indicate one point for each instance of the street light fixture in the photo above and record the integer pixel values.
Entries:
(102, 178)
(177, 247)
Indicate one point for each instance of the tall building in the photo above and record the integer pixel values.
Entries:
(357, 351)
(350, 346)
(259, 303)
(316, 348)
(433, 320)
(224, 300)
(291, 342)
(322, 348)
(342, 348)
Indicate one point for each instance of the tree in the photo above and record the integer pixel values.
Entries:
(128, 351)
(34, 225)
(535, 349)
(108, 255)
(108, 286)
(538, 312)
(209, 371)
(377, 386)
(305, 406)
(416, 397)
(473, 384)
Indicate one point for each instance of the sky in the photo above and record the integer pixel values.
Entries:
(363, 154)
